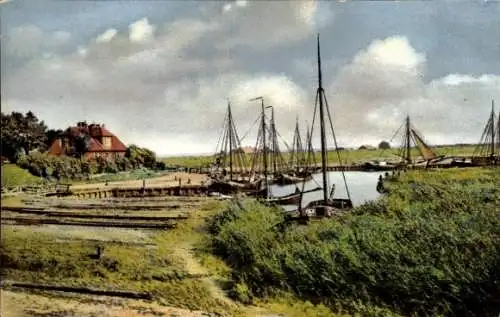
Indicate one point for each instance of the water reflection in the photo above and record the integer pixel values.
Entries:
(362, 187)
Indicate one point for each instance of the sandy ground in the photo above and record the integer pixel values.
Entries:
(90, 233)
(165, 180)
(21, 304)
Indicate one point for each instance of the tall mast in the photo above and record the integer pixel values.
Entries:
(264, 149)
(322, 127)
(230, 140)
(498, 133)
(263, 131)
(274, 147)
(492, 127)
(408, 148)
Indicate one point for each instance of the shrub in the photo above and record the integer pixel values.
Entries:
(430, 247)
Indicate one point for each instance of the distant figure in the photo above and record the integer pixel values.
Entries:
(106, 184)
(189, 181)
(180, 180)
(175, 178)
(380, 185)
(380, 178)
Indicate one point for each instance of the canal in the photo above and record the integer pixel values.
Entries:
(362, 187)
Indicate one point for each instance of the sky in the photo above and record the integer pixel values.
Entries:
(160, 73)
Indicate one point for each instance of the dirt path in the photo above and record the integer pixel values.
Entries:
(193, 266)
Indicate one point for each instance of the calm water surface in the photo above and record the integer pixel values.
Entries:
(362, 187)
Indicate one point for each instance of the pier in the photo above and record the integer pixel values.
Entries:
(185, 190)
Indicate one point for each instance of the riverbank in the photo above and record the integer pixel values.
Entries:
(430, 246)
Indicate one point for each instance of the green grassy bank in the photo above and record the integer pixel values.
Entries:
(431, 247)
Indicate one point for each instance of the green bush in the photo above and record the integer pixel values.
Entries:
(431, 247)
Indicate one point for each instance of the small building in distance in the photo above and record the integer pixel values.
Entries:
(101, 142)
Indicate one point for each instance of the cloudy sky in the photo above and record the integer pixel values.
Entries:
(159, 73)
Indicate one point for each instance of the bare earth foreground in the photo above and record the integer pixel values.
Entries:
(62, 249)
(16, 304)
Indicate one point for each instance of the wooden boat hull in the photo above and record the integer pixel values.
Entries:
(285, 179)
(292, 199)
(333, 206)
(370, 166)
(231, 187)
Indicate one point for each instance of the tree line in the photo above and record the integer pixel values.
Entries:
(25, 140)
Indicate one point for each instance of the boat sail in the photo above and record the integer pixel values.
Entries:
(228, 172)
(487, 151)
(294, 172)
(269, 160)
(327, 205)
(410, 138)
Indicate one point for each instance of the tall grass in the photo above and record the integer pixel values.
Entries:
(430, 247)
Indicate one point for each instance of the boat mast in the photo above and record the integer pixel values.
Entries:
(274, 147)
(264, 149)
(492, 127)
(408, 148)
(263, 128)
(230, 140)
(322, 128)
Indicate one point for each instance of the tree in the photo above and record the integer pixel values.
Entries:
(141, 156)
(21, 134)
(384, 145)
(81, 144)
(52, 135)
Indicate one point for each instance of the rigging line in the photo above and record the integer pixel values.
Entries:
(392, 138)
(310, 149)
(255, 158)
(222, 133)
(248, 131)
(336, 147)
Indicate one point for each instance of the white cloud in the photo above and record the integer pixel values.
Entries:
(62, 36)
(385, 82)
(106, 36)
(141, 31)
(263, 24)
(166, 86)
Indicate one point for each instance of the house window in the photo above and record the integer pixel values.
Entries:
(106, 142)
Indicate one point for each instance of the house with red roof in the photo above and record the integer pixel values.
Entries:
(101, 142)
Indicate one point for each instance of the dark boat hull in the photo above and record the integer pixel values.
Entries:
(292, 199)
(228, 187)
(284, 179)
(333, 206)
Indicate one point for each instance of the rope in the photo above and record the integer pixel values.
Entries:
(336, 147)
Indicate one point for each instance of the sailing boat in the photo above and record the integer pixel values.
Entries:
(230, 159)
(410, 137)
(487, 151)
(297, 174)
(262, 152)
(327, 205)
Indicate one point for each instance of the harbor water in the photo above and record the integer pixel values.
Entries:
(362, 187)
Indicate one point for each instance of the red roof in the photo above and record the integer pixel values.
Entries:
(96, 133)
(56, 147)
(95, 146)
